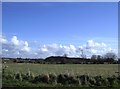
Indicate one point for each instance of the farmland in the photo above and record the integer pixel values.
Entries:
(91, 69)
(60, 75)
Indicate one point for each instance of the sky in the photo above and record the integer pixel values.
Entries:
(45, 29)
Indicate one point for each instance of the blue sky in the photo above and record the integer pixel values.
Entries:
(61, 23)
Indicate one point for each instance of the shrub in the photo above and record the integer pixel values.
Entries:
(112, 80)
(52, 78)
(84, 79)
(98, 81)
(67, 79)
(64, 79)
(91, 81)
(61, 78)
(28, 76)
(45, 78)
(8, 76)
(37, 79)
(18, 76)
(73, 80)
(41, 78)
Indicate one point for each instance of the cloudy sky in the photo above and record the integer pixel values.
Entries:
(39, 30)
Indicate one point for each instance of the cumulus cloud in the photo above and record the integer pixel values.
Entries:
(2, 40)
(56, 49)
(93, 44)
(93, 47)
(14, 40)
(26, 47)
(15, 48)
(21, 48)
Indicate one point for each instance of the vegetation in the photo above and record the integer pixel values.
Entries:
(53, 80)
(76, 69)
(62, 60)
(109, 58)
(61, 71)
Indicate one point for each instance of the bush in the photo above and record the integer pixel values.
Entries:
(84, 79)
(91, 81)
(28, 76)
(18, 76)
(73, 80)
(52, 78)
(64, 79)
(61, 78)
(98, 80)
(44, 78)
(112, 80)
(67, 79)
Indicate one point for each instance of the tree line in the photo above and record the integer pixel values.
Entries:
(109, 58)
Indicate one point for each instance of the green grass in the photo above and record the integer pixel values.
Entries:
(76, 69)
(19, 75)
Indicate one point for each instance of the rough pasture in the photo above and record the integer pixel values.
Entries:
(91, 69)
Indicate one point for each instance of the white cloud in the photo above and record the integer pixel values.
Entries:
(44, 49)
(93, 44)
(21, 48)
(26, 47)
(93, 47)
(2, 40)
(93, 51)
(103, 44)
(15, 48)
(14, 40)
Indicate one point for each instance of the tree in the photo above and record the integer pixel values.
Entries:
(82, 53)
(65, 55)
(94, 57)
(110, 57)
(100, 59)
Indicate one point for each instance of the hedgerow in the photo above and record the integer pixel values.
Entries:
(63, 79)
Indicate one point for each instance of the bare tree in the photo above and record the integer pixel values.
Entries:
(65, 55)
(82, 53)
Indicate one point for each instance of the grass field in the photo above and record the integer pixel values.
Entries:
(91, 69)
